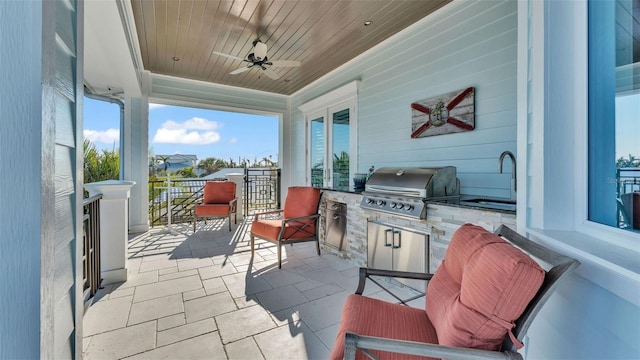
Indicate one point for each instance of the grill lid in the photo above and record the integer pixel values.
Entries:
(402, 191)
(420, 182)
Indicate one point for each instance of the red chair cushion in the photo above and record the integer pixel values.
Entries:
(269, 230)
(212, 210)
(481, 287)
(219, 192)
(373, 317)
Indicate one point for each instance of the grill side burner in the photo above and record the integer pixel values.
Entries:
(403, 191)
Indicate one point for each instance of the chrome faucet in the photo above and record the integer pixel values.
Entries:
(514, 183)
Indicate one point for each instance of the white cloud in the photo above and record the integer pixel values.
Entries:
(156, 106)
(195, 131)
(233, 140)
(107, 137)
(195, 123)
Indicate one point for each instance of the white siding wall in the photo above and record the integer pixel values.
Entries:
(464, 44)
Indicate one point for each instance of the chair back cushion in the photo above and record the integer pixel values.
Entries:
(301, 201)
(482, 286)
(219, 192)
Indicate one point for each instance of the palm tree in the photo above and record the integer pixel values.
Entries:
(632, 161)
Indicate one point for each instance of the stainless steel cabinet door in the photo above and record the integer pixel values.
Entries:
(410, 254)
(379, 246)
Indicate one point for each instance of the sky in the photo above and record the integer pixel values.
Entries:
(189, 131)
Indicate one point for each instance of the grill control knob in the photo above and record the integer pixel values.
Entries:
(400, 206)
(369, 200)
(380, 202)
(394, 205)
(409, 208)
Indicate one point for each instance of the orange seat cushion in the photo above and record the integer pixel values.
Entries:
(482, 286)
(219, 192)
(373, 317)
(212, 210)
(269, 229)
(300, 201)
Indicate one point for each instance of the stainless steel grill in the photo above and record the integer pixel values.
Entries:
(403, 191)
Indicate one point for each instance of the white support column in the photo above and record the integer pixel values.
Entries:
(114, 235)
(136, 160)
(238, 178)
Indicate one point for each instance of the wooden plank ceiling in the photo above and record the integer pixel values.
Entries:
(179, 37)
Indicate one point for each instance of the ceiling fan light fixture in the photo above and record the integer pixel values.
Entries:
(260, 50)
(368, 22)
(175, 58)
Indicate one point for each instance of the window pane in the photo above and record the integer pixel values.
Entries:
(340, 131)
(614, 113)
(317, 152)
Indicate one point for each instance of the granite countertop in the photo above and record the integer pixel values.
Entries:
(505, 206)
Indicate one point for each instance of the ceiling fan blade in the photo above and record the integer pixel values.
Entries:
(271, 74)
(285, 63)
(227, 56)
(240, 70)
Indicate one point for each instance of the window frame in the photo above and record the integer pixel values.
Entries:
(552, 70)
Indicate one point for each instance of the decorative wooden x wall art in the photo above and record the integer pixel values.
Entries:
(445, 114)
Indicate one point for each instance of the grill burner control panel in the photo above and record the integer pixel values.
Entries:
(414, 208)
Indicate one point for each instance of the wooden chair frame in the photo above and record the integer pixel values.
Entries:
(560, 267)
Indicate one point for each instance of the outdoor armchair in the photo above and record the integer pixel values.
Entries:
(478, 304)
(218, 201)
(296, 222)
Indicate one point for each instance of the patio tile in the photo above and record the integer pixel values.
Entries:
(327, 275)
(242, 323)
(216, 271)
(117, 291)
(140, 279)
(186, 331)
(214, 286)
(155, 265)
(294, 341)
(208, 306)
(205, 346)
(243, 284)
(282, 278)
(176, 274)
(169, 287)
(281, 298)
(193, 294)
(340, 264)
(243, 302)
(285, 316)
(168, 271)
(123, 342)
(188, 264)
(322, 291)
(328, 335)
(243, 349)
(106, 315)
(154, 309)
(171, 321)
(324, 312)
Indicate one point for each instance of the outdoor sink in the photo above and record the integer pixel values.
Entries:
(499, 204)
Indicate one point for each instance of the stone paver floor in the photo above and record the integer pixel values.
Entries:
(198, 295)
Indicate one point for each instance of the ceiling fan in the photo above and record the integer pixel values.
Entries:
(258, 59)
